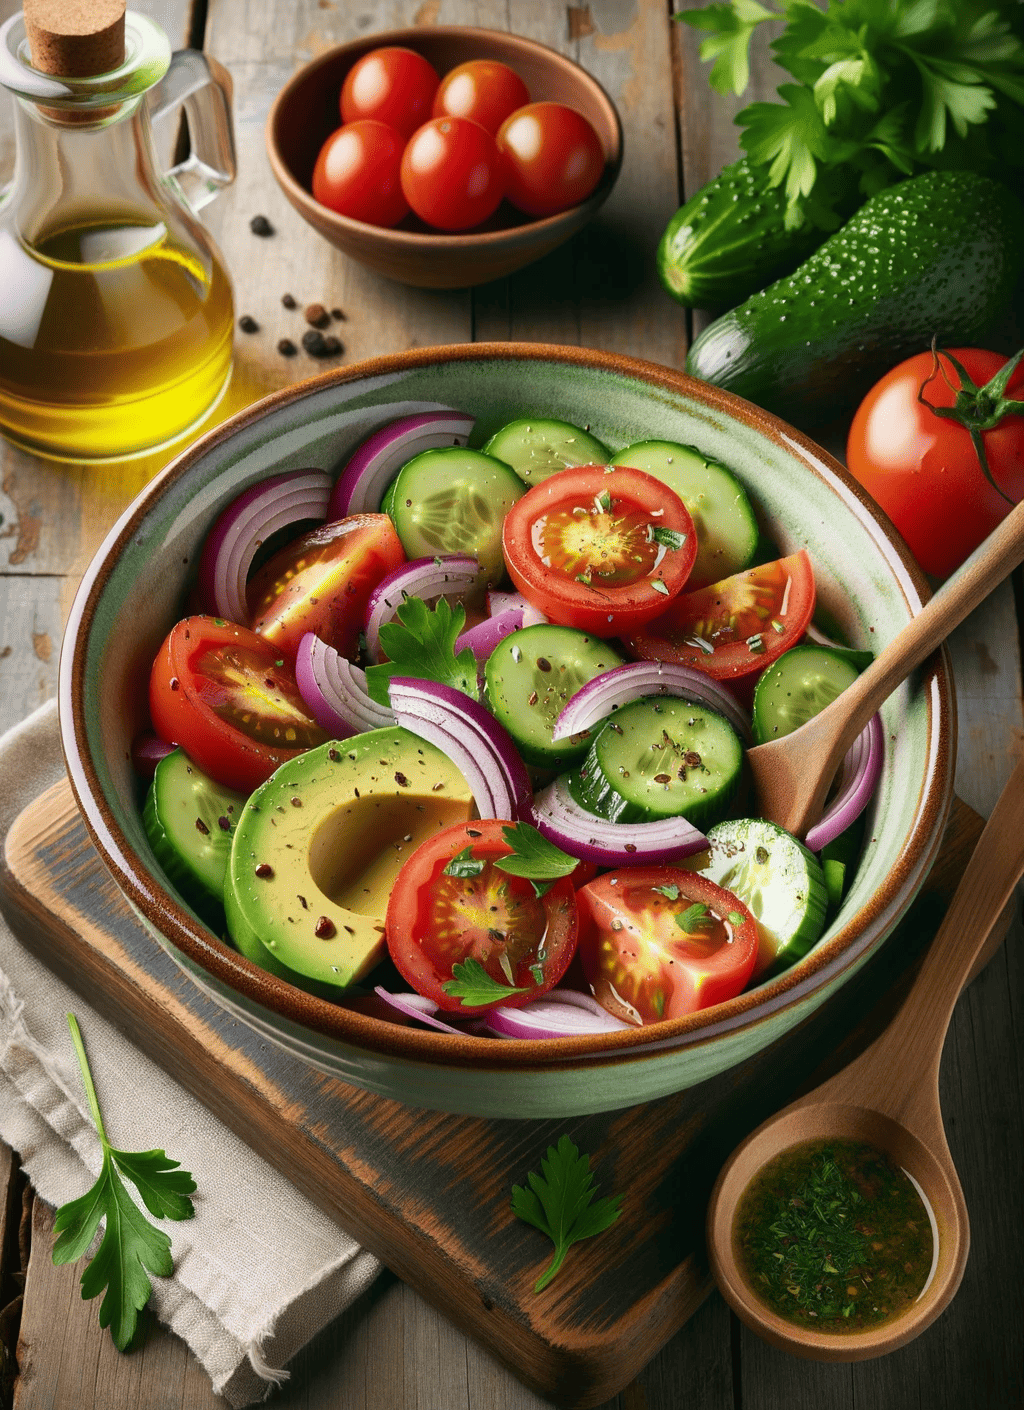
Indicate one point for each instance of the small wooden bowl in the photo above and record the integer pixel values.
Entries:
(305, 113)
(833, 1121)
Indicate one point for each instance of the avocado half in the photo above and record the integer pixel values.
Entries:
(319, 845)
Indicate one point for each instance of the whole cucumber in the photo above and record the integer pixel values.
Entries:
(937, 255)
(730, 239)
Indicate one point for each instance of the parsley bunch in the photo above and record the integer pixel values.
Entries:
(884, 89)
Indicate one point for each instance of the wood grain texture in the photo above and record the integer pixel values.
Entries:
(430, 1193)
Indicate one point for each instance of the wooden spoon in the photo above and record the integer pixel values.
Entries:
(792, 774)
(889, 1097)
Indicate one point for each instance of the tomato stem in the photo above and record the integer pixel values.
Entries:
(977, 409)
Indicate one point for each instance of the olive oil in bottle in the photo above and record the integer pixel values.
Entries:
(116, 314)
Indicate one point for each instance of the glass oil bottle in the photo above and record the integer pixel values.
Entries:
(116, 312)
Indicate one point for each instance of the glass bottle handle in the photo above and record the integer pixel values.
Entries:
(203, 87)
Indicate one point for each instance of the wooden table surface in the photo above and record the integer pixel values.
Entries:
(392, 1350)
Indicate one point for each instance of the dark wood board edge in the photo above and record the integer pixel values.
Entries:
(579, 1367)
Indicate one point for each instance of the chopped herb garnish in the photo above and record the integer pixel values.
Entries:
(533, 856)
(464, 864)
(420, 642)
(474, 986)
(694, 918)
(700, 644)
(670, 889)
(668, 538)
(604, 501)
(130, 1243)
(736, 919)
(659, 586)
(560, 1203)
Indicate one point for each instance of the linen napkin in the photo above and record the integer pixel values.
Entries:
(259, 1270)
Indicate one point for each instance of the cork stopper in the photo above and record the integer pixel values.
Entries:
(75, 38)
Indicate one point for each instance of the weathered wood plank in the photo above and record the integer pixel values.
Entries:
(31, 623)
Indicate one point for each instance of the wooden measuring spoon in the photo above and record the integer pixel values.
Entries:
(792, 774)
(889, 1097)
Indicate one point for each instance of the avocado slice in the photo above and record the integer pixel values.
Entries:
(319, 845)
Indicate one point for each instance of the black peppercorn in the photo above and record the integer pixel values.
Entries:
(260, 225)
(288, 301)
(248, 324)
(287, 348)
(317, 315)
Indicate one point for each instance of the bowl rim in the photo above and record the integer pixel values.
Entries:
(422, 241)
(226, 967)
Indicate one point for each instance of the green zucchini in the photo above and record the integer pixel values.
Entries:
(730, 239)
(937, 256)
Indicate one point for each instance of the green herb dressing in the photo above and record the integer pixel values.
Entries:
(833, 1236)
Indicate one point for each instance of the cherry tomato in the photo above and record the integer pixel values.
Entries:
(923, 469)
(393, 85)
(451, 904)
(450, 173)
(659, 942)
(229, 699)
(321, 582)
(736, 627)
(357, 172)
(600, 548)
(551, 158)
(483, 90)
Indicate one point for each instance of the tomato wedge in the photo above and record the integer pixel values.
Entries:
(736, 627)
(452, 906)
(659, 942)
(230, 700)
(600, 548)
(322, 581)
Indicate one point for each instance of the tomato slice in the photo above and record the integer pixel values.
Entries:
(736, 627)
(600, 548)
(322, 581)
(451, 904)
(659, 942)
(230, 700)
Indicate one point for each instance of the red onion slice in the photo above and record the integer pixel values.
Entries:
(147, 751)
(247, 522)
(484, 636)
(478, 746)
(428, 578)
(416, 1007)
(858, 780)
(622, 684)
(498, 602)
(376, 462)
(562, 1013)
(335, 691)
(557, 815)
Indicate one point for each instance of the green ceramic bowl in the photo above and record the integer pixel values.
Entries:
(134, 591)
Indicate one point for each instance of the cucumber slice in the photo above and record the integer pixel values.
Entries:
(776, 878)
(727, 532)
(531, 675)
(838, 861)
(454, 500)
(537, 448)
(797, 687)
(387, 504)
(190, 820)
(666, 758)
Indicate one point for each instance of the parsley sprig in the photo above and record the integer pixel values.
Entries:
(421, 643)
(884, 89)
(561, 1203)
(534, 858)
(473, 985)
(130, 1243)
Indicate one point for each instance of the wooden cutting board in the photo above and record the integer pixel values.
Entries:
(428, 1192)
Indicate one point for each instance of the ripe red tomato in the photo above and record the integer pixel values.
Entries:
(551, 158)
(659, 942)
(393, 85)
(321, 582)
(923, 469)
(451, 904)
(600, 548)
(736, 627)
(226, 696)
(450, 173)
(357, 173)
(483, 90)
